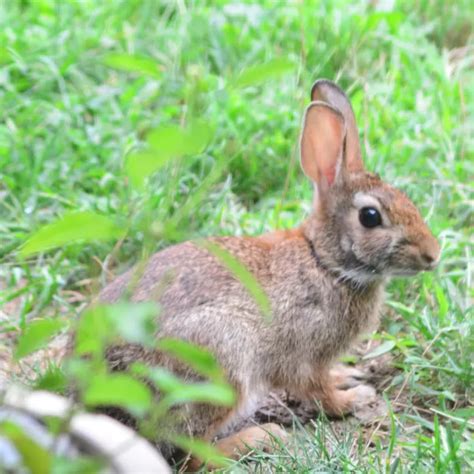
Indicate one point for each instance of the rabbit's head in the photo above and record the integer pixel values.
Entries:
(364, 229)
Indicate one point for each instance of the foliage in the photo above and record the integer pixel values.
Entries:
(89, 89)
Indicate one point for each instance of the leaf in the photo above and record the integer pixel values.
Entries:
(202, 450)
(199, 358)
(142, 164)
(179, 391)
(257, 74)
(34, 456)
(93, 331)
(134, 322)
(241, 272)
(383, 348)
(443, 303)
(164, 144)
(132, 63)
(73, 227)
(177, 141)
(81, 465)
(52, 379)
(118, 390)
(36, 334)
(214, 393)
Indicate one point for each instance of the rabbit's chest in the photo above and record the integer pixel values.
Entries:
(323, 322)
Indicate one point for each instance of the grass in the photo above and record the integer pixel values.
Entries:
(72, 108)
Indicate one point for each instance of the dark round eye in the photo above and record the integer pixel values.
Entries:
(369, 217)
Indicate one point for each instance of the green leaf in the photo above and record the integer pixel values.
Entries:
(142, 164)
(177, 141)
(349, 359)
(134, 322)
(132, 63)
(214, 393)
(73, 227)
(52, 379)
(443, 303)
(240, 272)
(179, 391)
(36, 334)
(385, 347)
(260, 73)
(34, 457)
(199, 358)
(202, 450)
(80, 465)
(94, 331)
(118, 390)
(164, 144)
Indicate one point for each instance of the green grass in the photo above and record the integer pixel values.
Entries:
(70, 114)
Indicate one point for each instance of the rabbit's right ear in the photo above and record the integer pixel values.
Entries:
(322, 144)
(328, 92)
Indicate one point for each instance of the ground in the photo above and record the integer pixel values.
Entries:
(82, 84)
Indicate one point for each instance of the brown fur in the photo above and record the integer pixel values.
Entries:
(324, 281)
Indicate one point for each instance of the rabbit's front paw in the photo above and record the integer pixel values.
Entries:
(342, 402)
(360, 396)
(343, 377)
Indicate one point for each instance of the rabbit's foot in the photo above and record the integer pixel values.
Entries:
(341, 402)
(343, 377)
(264, 437)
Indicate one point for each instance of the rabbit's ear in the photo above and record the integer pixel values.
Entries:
(328, 92)
(322, 144)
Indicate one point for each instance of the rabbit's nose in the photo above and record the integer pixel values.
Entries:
(428, 259)
(430, 254)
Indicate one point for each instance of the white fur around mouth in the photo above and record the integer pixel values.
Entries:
(359, 278)
(403, 272)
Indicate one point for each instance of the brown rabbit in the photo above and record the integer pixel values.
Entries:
(324, 280)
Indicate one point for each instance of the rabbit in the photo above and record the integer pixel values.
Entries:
(324, 280)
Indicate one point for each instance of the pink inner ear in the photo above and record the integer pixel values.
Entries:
(330, 175)
(321, 144)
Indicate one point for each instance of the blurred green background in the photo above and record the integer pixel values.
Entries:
(84, 85)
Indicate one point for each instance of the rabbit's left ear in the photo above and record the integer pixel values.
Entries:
(322, 145)
(328, 92)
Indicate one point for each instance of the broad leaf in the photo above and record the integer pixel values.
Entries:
(178, 391)
(214, 393)
(80, 465)
(385, 347)
(36, 334)
(34, 457)
(164, 144)
(199, 358)
(134, 322)
(74, 227)
(132, 63)
(260, 73)
(94, 331)
(118, 390)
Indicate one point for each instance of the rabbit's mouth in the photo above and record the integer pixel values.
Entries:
(358, 273)
(404, 272)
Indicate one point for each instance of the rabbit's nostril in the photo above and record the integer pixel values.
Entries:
(427, 258)
(430, 259)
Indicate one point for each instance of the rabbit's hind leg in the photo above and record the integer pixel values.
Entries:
(264, 437)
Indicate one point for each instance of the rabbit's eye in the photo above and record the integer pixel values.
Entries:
(369, 217)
